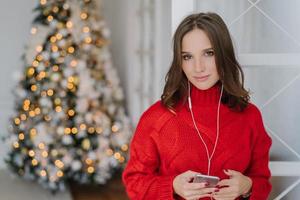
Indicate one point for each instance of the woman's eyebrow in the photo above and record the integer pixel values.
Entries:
(206, 49)
(210, 48)
(185, 52)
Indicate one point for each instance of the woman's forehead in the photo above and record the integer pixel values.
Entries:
(196, 39)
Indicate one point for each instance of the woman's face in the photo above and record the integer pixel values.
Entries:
(198, 60)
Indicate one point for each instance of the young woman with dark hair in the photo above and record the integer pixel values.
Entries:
(204, 124)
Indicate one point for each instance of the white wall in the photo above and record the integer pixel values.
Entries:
(120, 16)
(124, 21)
(15, 19)
(116, 14)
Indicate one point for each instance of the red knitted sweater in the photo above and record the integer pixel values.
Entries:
(166, 144)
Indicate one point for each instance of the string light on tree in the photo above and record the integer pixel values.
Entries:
(33, 30)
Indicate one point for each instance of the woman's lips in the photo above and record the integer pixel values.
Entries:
(201, 78)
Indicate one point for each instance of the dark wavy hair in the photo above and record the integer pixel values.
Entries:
(235, 96)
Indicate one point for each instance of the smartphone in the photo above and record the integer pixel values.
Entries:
(211, 180)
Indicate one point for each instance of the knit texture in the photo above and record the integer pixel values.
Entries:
(167, 144)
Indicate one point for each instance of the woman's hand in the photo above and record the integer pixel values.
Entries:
(235, 186)
(183, 187)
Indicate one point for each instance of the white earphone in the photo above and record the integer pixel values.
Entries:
(209, 157)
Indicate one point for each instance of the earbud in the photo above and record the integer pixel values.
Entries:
(189, 96)
(190, 102)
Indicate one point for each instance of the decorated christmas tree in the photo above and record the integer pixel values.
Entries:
(70, 121)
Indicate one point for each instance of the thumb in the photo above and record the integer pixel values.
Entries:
(189, 175)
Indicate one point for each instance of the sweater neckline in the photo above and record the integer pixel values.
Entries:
(208, 97)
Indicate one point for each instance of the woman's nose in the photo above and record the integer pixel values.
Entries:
(199, 65)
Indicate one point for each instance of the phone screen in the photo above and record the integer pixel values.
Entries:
(211, 180)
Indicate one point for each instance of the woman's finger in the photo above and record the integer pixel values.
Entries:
(196, 186)
(231, 172)
(199, 192)
(197, 197)
(225, 182)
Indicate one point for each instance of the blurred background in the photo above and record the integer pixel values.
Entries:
(138, 36)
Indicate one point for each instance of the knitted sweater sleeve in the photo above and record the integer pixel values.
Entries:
(258, 170)
(141, 176)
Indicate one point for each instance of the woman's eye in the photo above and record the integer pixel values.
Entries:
(186, 57)
(210, 53)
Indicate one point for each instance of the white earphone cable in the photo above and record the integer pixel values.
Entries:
(209, 157)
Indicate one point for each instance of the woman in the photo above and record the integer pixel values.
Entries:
(204, 124)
